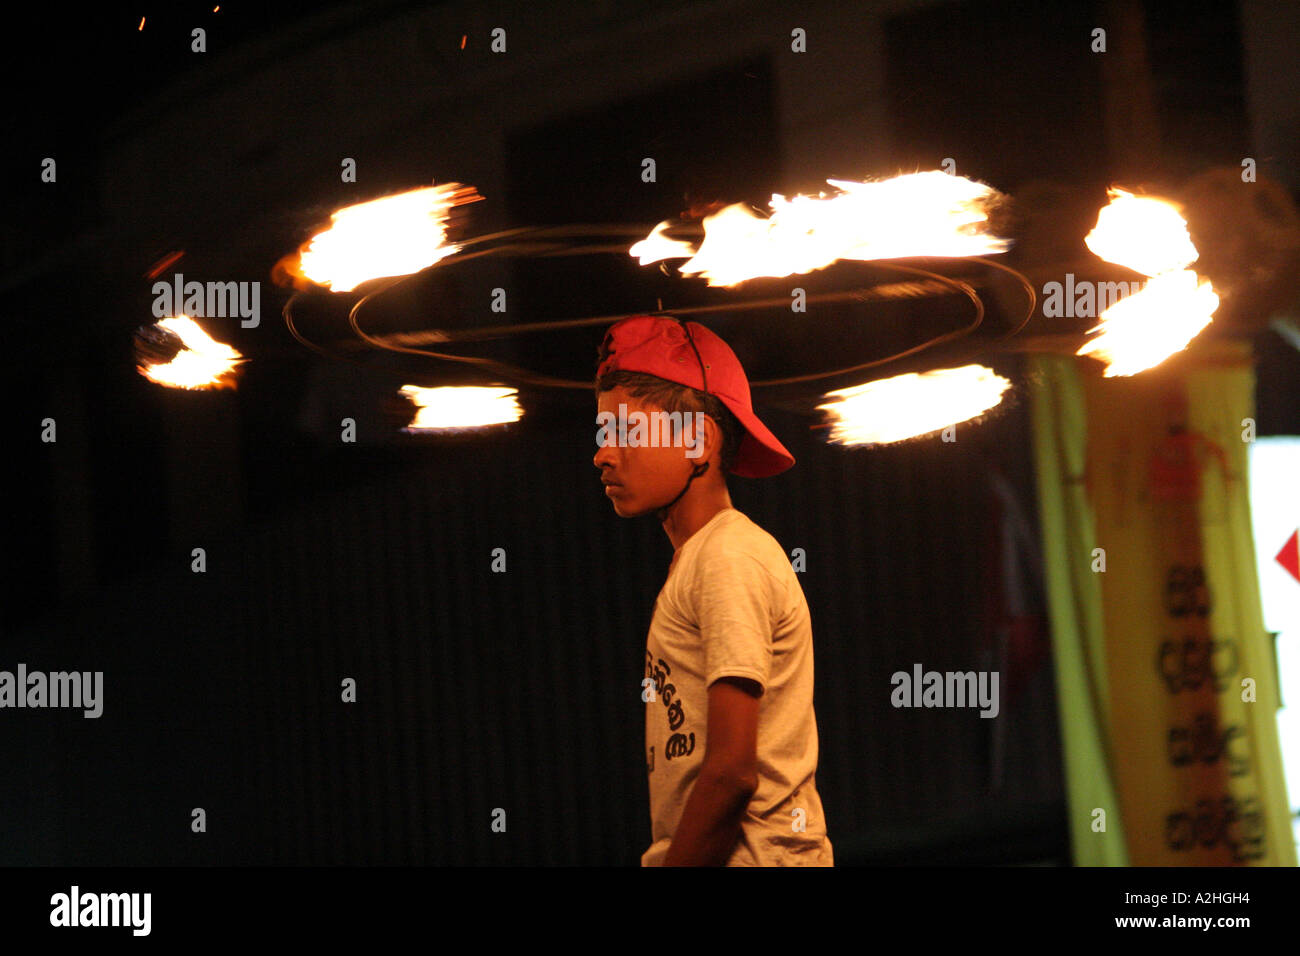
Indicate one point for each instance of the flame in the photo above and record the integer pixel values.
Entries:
(657, 246)
(918, 214)
(1142, 330)
(461, 406)
(393, 236)
(1148, 235)
(202, 363)
(892, 409)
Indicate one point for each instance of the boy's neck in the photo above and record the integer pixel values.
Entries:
(696, 509)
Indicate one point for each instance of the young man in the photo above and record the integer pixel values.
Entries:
(731, 735)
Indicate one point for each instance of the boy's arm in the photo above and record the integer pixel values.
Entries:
(710, 824)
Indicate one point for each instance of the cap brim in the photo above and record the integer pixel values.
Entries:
(760, 454)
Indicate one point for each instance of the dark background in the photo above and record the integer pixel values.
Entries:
(372, 561)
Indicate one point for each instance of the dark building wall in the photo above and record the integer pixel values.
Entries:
(519, 690)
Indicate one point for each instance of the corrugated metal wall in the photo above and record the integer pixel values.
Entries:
(519, 690)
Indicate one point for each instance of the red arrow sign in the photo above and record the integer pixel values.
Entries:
(1289, 556)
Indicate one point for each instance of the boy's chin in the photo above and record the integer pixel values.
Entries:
(623, 511)
(626, 509)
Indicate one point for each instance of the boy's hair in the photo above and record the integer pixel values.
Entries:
(672, 397)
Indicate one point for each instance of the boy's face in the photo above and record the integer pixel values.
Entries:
(644, 477)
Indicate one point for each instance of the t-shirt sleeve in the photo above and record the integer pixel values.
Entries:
(734, 600)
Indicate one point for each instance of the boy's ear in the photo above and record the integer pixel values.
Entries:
(713, 431)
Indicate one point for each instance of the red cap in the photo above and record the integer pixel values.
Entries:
(659, 346)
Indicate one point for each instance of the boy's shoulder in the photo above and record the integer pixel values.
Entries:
(736, 532)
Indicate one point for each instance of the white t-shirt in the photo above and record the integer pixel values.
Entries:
(732, 606)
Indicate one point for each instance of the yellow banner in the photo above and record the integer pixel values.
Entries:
(1189, 689)
(1186, 677)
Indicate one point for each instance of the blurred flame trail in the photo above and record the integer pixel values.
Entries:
(657, 246)
(461, 406)
(1148, 235)
(1142, 330)
(392, 236)
(201, 362)
(905, 406)
(916, 214)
